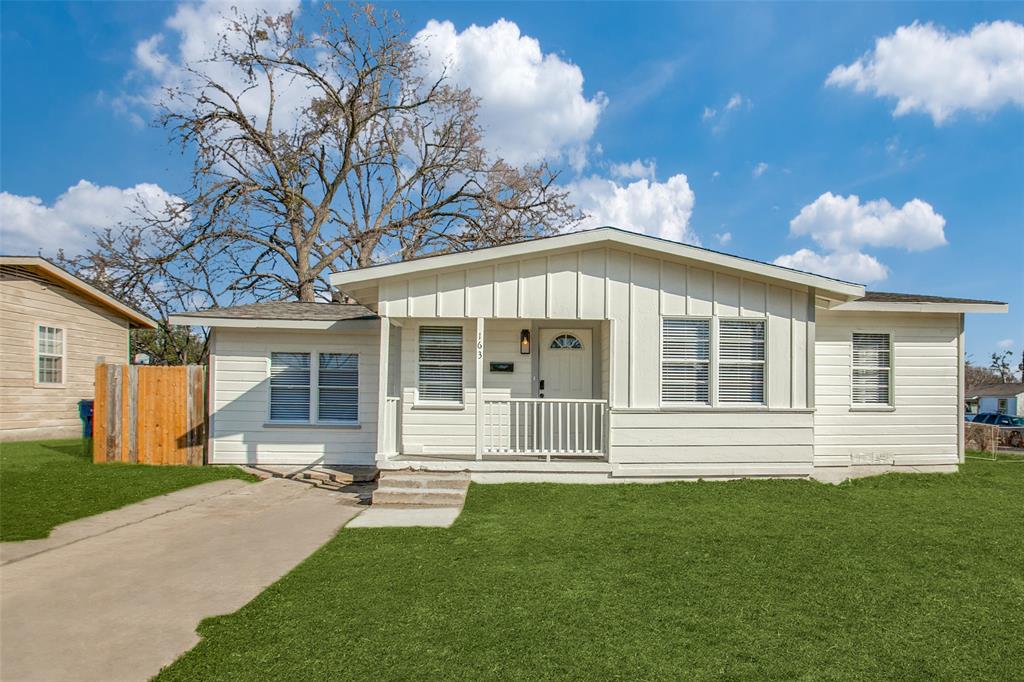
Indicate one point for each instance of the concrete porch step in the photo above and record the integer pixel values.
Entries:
(421, 488)
(347, 475)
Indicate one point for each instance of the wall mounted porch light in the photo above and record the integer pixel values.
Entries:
(524, 342)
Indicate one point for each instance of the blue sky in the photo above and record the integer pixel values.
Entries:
(712, 123)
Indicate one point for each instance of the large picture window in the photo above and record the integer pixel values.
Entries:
(741, 349)
(685, 361)
(872, 369)
(49, 355)
(440, 364)
(299, 380)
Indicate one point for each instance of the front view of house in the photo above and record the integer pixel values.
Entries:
(594, 356)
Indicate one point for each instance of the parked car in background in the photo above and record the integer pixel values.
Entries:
(1011, 429)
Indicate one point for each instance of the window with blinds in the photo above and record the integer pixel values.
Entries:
(872, 367)
(338, 387)
(741, 353)
(685, 361)
(50, 355)
(440, 364)
(290, 377)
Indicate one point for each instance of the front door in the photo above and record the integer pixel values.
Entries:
(566, 363)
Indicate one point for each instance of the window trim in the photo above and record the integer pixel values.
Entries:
(763, 320)
(426, 403)
(314, 389)
(712, 383)
(63, 356)
(889, 406)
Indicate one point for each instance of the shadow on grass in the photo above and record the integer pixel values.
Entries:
(79, 450)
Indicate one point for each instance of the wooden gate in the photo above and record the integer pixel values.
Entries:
(149, 415)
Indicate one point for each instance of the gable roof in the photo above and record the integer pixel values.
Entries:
(65, 278)
(887, 301)
(827, 286)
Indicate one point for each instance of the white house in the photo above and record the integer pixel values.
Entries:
(1000, 398)
(594, 356)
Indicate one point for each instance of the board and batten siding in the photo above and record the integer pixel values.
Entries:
(632, 289)
(922, 425)
(240, 370)
(91, 333)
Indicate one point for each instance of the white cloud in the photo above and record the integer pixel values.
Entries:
(633, 170)
(715, 174)
(191, 36)
(760, 169)
(843, 226)
(931, 70)
(660, 209)
(735, 102)
(852, 266)
(532, 105)
(723, 238)
(844, 223)
(1005, 344)
(30, 226)
(709, 113)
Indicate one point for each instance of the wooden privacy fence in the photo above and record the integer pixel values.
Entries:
(149, 415)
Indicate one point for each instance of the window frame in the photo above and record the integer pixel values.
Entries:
(711, 363)
(717, 354)
(63, 357)
(875, 407)
(314, 388)
(428, 403)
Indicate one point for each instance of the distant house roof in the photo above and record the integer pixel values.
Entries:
(42, 267)
(289, 314)
(995, 391)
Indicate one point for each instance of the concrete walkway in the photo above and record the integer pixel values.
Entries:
(118, 596)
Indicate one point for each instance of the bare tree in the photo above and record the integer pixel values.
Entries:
(322, 152)
(1002, 368)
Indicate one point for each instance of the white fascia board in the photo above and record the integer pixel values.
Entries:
(922, 307)
(325, 325)
(824, 285)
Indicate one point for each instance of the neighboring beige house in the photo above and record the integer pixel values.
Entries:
(53, 329)
(595, 356)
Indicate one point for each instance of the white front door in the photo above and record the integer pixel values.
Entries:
(566, 363)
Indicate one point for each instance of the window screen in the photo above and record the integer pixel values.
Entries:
(872, 365)
(50, 355)
(685, 361)
(440, 364)
(338, 395)
(741, 348)
(289, 386)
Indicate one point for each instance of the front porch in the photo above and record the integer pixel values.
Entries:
(532, 392)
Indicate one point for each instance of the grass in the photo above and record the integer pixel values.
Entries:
(46, 483)
(905, 576)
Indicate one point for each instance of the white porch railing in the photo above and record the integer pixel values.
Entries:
(545, 427)
(392, 413)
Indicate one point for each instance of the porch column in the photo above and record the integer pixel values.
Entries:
(383, 423)
(478, 354)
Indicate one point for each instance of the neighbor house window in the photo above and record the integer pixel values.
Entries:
(338, 392)
(440, 364)
(290, 381)
(50, 355)
(685, 361)
(872, 369)
(741, 353)
(1003, 406)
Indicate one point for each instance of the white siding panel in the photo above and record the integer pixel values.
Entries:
(921, 427)
(451, 294)
(506, 290)
(618, 310)
(752, 299)
(533, 288)
(780, 352)
(423, 297)
(591, 284)
(700, 291)
(673, 289)
(646, 333)
(480, 292)
(727, 295)
(562, 283)
(240, 433)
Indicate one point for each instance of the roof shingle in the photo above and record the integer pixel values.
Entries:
(290, 310)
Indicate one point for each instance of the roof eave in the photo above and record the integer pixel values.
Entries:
(134, 317)
(844, 291)
(920, 307)
(271, 323)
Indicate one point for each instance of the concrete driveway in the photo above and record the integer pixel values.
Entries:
(118, 596)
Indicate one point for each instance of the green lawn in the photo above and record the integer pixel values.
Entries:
(46, 483)
(896, 577)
